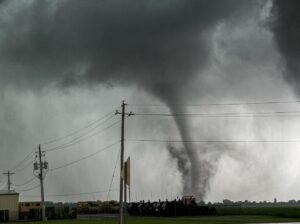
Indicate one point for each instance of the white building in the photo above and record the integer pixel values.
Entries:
(9, 205)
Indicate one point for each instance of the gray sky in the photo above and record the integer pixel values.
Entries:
(64, 64)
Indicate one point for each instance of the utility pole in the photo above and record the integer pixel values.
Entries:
(42, 184)
(8, 174)
(41, 166)
(121, 209)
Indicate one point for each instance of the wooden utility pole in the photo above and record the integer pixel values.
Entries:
(42, 184)
(8, 174)
(40, 169)
(121, 164)
(121, 204)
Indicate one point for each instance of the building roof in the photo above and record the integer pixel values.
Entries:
(6, 192)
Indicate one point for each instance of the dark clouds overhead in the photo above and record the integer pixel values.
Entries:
(158, 46)
(141, 42)
(286, 28)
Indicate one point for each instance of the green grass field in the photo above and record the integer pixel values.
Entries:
(182, 220)
(280, 212)
(225, 216)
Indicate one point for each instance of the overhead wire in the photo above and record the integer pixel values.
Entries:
(87, 134)
(23, 168)
(226, 114)
(26, 182)
(31, 154)
(72, 194)
(78, 130)
(94, 125)
(81, 193)
(29, 189)
(215, 104)
(213, 141)
(27, 157)
(82, 138)
(113, 175)
(83, 135)
(85, 157)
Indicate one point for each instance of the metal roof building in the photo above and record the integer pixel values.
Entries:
(9, 207)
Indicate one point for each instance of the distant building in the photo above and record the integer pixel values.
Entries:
(30, 210)
(9, 201)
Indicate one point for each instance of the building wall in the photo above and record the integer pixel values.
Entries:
(26, 206)
(10, 202)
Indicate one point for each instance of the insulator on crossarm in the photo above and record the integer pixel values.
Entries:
(45, 165)
(35, 166)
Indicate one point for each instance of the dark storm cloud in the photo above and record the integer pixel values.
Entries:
(286, 28)
(156, 45)
(149, 42)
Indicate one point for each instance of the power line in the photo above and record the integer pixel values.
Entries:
(21, 169)
(8, 174)
(29, 189)
(85, 157)
(113, 175)
(72, 194)
(67, 145)
(29, 156)
(217, 104)
(81, 193)
(26, 182)
(213, 141)
(227, 114)
(78, 130)
(83, 135)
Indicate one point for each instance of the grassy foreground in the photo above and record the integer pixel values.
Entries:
(281, 212)
(182, 220)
